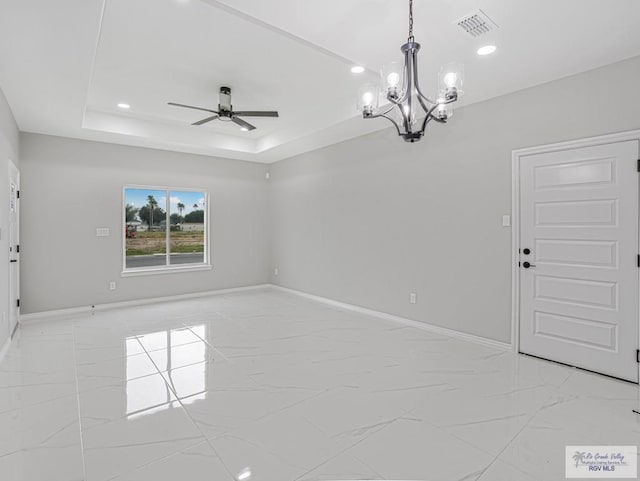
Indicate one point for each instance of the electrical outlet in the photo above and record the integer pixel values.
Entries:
(112, 285)
(276, 271)
(267, 175)
(413, 298)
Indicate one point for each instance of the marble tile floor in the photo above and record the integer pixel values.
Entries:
(268, 386)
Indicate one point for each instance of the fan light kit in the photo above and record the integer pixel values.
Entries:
(124, 106)
(226, 113)
(401, 86)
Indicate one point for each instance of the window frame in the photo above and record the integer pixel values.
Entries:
(167, 268)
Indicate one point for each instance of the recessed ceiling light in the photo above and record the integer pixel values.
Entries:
(244, 129)
(357, 69)
(124, 106)
(487, 50)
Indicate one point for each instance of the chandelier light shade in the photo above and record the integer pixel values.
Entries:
(400, 84)
(368, 98)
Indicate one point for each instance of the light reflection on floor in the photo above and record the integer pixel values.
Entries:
(175, 345)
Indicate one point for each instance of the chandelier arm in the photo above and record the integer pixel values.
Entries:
(425, 107)
(430, 111)
(395, 124)
(429, 117)
(397, 102)
(405, 118)
(425, 122)
(410, 85)
(381, 114)
(417, 82)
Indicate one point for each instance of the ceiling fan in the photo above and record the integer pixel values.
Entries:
(225, 112)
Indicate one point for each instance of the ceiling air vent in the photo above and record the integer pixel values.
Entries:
(476, 23)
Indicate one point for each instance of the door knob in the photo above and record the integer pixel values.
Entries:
(527, 265)
(526, 251)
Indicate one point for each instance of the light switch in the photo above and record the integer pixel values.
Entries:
(506, 221)
(102, 232)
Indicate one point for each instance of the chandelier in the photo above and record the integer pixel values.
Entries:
(401, 87)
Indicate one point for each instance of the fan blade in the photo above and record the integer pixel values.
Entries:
(192, 107)
(257, 114)
(204, 121)
(242, 123)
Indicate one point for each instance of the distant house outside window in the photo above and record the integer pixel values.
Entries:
(164, 229)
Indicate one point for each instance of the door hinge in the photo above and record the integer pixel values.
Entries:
(638, 356)
(638, 260)
(18, 248)
(638, 165)
(18, 303)
(18, 192)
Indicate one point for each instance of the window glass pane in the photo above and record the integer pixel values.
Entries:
(145, 229)
(187, 213)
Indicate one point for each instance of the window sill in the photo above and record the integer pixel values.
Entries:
(165, 270)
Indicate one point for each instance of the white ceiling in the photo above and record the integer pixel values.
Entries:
(64, 65)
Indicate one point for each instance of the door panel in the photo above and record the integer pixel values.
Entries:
(577, 253)
(576, 331)
(579, 297)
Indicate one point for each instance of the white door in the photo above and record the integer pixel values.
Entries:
(579, 257)
(14, 246)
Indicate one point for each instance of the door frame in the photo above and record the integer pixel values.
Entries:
(516, 157)
(11, 166)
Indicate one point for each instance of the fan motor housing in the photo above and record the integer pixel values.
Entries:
(225, 100)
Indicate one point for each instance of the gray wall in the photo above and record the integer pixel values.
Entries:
(8, 151)
(70, 187)
(365, 221)
(372, 219)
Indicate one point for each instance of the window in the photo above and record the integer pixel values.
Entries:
(164, 229)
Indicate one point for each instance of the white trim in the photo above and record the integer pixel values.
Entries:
(5, 348)
(165, 270)
(516, 156)
(55, 314)
(401, 320)
(13, 290)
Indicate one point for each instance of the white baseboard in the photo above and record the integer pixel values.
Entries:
(58, 313)
(401, 320)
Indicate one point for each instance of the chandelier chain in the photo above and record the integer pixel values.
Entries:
(411, 19)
